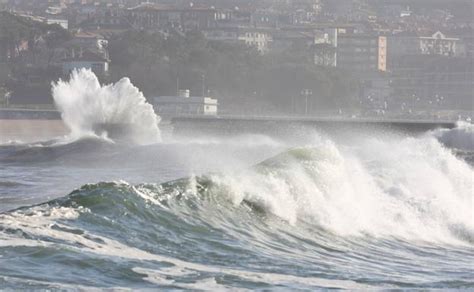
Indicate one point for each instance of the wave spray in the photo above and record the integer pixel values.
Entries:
(86, 106)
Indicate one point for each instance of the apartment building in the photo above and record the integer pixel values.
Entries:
(362, 52)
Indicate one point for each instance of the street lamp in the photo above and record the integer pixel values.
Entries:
(306, 93)
(203, 79)
(7, 98)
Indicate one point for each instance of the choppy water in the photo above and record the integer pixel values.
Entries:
(361, 211)
(353, 210)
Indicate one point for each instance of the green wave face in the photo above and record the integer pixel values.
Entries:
(307, 211)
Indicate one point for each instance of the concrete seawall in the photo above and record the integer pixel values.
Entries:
(28, 114)
(30, 125)
(233, 125)
(34, 125)
(30, 130)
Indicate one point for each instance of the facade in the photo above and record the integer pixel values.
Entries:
(376, 91)
(325, 44)
(399, 46)
(288, 39)
(259, 39)
(159, 17)
(406, 12)
(85, 59)
(228, 35)
(85, 50)
(438, 44)
(256, 38)
(431, 81)
(362, 52)
(88, 40)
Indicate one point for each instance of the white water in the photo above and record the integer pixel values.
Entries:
(409, 188)
(84, 103)
(461, 137)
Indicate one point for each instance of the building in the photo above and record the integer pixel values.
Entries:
(376, 91)
(466, 35)
(184, 104)
(256, 38)
(362, 52)
(432, 81)
(400, 45)
(406, 12)
(259, 39)
(161, 17)
(88, 40)
(438, 44)
(50, 19)
(291, 39)
(325, 44)
(85, 50)
(85, 59)
(110, 15)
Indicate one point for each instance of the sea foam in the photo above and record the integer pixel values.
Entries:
(84, 104)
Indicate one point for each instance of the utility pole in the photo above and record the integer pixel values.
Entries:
(203, 76)
(306, 93)
(177, 85)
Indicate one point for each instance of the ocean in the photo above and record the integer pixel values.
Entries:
(351, 210)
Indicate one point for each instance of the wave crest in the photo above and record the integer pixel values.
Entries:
(424, 196)
(89, 108)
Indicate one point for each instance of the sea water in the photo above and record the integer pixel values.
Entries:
(352, 211)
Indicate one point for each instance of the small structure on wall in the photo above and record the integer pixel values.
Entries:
(184, 104)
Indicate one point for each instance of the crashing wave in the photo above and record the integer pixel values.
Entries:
(460, 138)
(119, 110)
(421, 191)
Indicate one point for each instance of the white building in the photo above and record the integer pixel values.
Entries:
(438, 44)
(185, 105)
(257, 39)
(85, 50)
(85, 59)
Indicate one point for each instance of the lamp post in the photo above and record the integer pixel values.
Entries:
(203, 76)
(7, 99)
(306, 93)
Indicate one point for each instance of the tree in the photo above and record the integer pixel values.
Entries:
(238, 75)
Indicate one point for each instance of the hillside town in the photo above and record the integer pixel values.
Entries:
(378, 57)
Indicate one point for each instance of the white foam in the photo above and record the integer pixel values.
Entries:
(13, 142)
(411, 188)
(84, 103)
(39, 221)
(461, 137)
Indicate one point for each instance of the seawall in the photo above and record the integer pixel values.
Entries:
(234, 125)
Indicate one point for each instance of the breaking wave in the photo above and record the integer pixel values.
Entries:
(461, 137)
(88, 108)
(320, 216)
